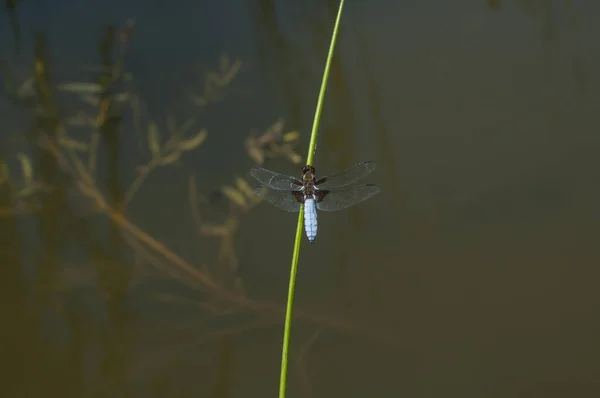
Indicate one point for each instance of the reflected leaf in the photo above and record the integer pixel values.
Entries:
(228, 69)
(121, 97)
(153, 139)
(170, 158)
(28, 190)
(294, 157)
(81, 119)
(72, 144)
(193, 142)
(243, 186)
(188, 123)
(197, 100)
(254, 150)
(291, 136)
(224, 62)
(257, 155)
(90, 99)
(235, 67)
(26, 167)
(81, 88)
(27, 88)
(276, 128)
(234, 195)
(215, 230)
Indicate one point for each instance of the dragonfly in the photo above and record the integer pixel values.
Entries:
(330, 193)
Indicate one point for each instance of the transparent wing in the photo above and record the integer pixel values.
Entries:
(275, 180)
(338, 200)
(348, 176)
(285, 200)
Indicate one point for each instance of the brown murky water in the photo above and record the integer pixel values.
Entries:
(134, 263)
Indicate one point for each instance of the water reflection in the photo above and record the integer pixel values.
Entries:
(116, 260)
(130, 270)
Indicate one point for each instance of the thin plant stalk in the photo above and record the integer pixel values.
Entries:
(296, 254)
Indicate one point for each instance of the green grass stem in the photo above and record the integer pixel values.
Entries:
(295, 256)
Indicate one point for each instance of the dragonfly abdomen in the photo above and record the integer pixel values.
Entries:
(310, 219)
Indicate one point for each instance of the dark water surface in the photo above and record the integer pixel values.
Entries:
(472, 274)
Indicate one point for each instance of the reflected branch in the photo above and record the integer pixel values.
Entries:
(68, 169)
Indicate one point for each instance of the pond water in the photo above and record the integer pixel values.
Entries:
(135, 266)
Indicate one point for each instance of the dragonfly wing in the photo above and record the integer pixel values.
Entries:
(346, 177)
(338, 200)
(275, 180)
(285, 200)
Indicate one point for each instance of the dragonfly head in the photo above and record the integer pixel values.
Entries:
(308, 173)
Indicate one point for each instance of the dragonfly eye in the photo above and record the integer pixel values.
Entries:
(308, 169)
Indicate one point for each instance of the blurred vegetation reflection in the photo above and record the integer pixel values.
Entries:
(73, 261)
(72, 258)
